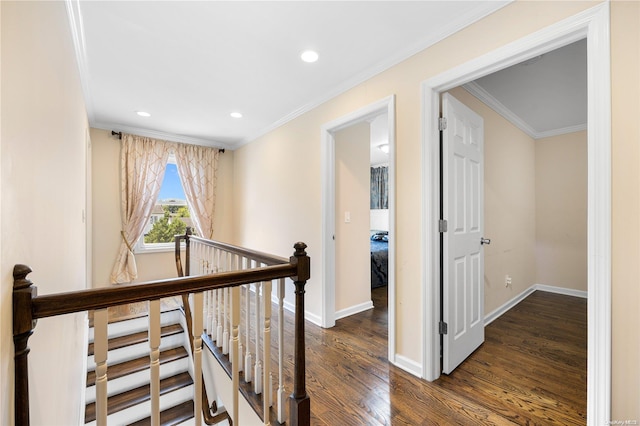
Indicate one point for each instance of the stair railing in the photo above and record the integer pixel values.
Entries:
(247, 343)
(28, 307)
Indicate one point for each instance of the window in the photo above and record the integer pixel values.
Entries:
(170, 215)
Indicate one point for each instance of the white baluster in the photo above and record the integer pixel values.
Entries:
(229, 263)
(257, 374)
(219, 328)
(154, 359)
(220, 292)
(248, 362)
(213, 321)
(281, 392)
(225, 334)
(235, 361)
(266, 346)
(100, 347)
(248, 359)
(208, 301)
(233, 264)
(214, 317)
(197, 357)
(240, 356)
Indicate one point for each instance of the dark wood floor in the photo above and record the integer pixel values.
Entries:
(531, 370)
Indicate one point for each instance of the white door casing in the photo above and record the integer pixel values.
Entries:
(327, 132)
(592, 24)
(463, 258)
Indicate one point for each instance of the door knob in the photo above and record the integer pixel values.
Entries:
(485, 241)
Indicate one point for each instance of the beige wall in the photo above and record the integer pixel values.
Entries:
(535, 207)
(280, 171)
(625, 291)
(43, 147)
(278, 179)
(106, 213)
(279, 176)
(353, 189)
(509, 205)
(561, 211)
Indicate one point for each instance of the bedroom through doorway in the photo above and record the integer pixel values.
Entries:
(362, 213)
(353, 282)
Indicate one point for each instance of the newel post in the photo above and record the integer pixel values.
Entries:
(23, 324)
(177, 239)
(187, 251)
(299, 403)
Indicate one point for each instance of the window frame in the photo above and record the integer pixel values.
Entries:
(140, 246)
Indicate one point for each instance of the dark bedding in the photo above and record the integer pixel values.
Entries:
(379, 263)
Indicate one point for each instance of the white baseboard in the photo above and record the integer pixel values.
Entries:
(355, 309)
(496, 313)
(309, 316)
(408, 365)
(313, 318)
(561, 290)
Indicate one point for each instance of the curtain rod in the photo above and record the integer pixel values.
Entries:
(119, 135)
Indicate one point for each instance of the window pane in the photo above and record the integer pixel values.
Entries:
(170, 216)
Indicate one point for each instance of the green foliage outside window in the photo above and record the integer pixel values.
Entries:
(165, 229)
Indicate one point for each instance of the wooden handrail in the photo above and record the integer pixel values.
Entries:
(299, 402)
(99, 298)
(261, 257)
(28, 307)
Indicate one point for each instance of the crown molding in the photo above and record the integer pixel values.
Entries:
(171, 137)
(561, 131)
(481, 10)
(488, 99)
(77, 34)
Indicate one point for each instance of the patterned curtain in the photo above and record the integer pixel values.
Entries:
(142, 165)
(198, 168)
(379, 187)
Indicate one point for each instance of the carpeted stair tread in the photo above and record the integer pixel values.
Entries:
(138, 395)
(135, 338)
(133, 366)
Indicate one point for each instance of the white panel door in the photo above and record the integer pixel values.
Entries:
(463, 260)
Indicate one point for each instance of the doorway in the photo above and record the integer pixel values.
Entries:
(592, 25)
(329, 218)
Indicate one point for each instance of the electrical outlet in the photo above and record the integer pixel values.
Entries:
(507, 280)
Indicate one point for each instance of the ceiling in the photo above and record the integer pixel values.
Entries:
(190, 64)
(544, 96)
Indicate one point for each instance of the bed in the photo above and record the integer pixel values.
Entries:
(379, 258)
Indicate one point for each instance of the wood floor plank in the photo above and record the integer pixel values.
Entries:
(530, 370)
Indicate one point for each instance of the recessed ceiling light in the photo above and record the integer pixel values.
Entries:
(309, 56)
(143, 114)
(236, 115)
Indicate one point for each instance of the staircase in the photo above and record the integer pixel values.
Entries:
(128, 372)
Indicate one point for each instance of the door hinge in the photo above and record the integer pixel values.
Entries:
(442, 327)
(442, 123)
(442, 225)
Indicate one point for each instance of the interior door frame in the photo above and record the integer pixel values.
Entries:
(328, 160)
(592, 24)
